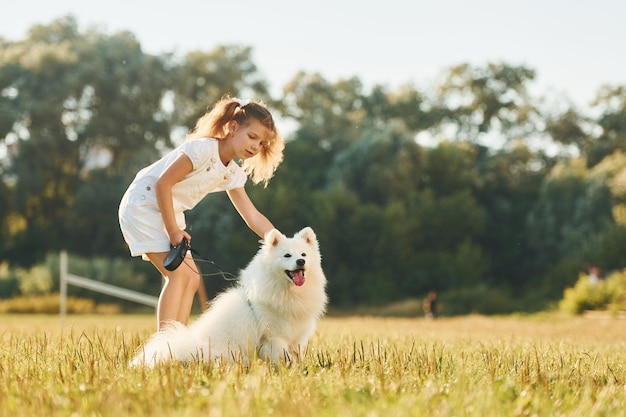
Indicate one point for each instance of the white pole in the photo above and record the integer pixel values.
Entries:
(63, 284)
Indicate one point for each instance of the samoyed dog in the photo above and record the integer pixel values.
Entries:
(270, 314)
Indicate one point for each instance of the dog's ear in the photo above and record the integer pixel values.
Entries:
(273, 237)
(308, 235)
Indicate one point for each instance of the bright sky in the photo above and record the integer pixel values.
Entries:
(574, 45)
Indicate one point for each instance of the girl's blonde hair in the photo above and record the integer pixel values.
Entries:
(214, 123)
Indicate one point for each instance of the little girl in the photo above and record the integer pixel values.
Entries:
(151, 212)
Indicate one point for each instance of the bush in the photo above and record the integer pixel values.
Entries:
(608, 294)
(479, 299)
(9, 286)
(34, 281)
(46, 304)
(616, 286)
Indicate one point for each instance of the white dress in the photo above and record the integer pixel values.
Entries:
(140, 219)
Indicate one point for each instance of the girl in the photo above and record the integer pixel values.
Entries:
(151, 212)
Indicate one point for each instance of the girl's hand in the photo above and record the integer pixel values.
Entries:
(177, 237)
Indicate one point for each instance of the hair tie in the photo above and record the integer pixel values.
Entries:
(243, 102)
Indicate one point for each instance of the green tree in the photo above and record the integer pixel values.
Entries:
(488, 103)
(380, 168)
(510, 181)
(572, 209)
(611, 103)
(35, 75)
(405, 106)
(569, 128)
(328, 113)
(79, 101)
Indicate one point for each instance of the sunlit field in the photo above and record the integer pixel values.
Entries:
(470, 366)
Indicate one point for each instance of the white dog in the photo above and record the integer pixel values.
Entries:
(272, 312)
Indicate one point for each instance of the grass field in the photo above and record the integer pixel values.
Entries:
(357, 366)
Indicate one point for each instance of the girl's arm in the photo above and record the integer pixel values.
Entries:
(163, 188)
(253, 217)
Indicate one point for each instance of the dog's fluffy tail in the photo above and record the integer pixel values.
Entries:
(173, 343)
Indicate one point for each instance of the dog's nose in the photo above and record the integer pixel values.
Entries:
(300, 262)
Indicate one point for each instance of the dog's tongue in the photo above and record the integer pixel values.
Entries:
(298, 277)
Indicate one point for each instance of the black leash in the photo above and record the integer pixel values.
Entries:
(220, 271)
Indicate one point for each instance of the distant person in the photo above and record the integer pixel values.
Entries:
(431, 305)
(151, 213)
(594, 273)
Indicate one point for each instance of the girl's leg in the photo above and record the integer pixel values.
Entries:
(193, 282)
(176, 298)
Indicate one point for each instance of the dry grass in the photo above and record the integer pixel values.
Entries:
(355, 366)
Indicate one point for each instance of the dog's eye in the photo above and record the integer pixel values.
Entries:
(287, 255)
(303, 254)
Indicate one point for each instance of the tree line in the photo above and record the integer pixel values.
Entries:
(473, 186)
